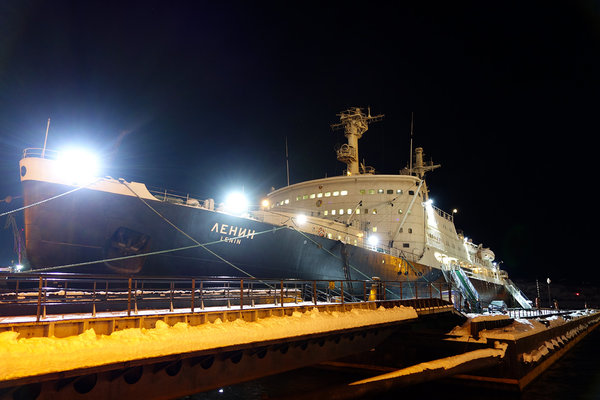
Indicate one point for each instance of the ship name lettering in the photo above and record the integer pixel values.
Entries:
(232, 230)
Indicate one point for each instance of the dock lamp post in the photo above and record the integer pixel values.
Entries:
(454, 211)
(549, 297)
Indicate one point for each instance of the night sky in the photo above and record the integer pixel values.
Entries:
(200, 96)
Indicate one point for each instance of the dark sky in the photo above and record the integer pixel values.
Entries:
(199, 97)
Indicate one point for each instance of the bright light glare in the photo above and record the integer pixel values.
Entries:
(265, 203)
(236, 203)
(373, 240)
(18, 267)
(77, 165)
(301, 219)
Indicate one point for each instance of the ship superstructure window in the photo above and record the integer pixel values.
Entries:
(304, 197)
(405, 245)
(341, 211)
(390, 191)
(349, 211)
(312, 196)
(411, 192)
(358, 210)
(298, 198)
(327, 194)
(287, 201)
(336, 193)
(319, 195)
(325, 212)
(409, 230)
(344, 192)
(332, 212)
(363, 191)
(374, 229)
(374, 211)
(371, 191)
(380, 191)
(398, 191)
(399, 211)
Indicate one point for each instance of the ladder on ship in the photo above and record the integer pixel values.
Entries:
(517, 294)
(458, 277)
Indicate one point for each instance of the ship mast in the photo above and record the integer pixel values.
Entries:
(354, 122)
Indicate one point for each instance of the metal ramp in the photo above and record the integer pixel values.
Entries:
(517, 294)
(457, 276)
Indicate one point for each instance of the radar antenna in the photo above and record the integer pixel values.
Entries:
(355, 122)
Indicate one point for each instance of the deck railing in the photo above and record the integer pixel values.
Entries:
(45, 294)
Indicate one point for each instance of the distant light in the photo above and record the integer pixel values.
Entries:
(301, 219)
(577, 294)
(220, 390)
(265, 203)
(77, 166)
(18, 267)
(373, 240)
(454, 211)
(236, 203)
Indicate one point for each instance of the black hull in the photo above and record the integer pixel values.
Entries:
(89, 226)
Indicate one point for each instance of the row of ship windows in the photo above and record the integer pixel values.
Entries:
(341, 211)
(343, 193)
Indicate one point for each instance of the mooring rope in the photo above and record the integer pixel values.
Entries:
(152, 253)
(48, 199)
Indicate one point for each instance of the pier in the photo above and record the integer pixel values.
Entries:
(76, 336)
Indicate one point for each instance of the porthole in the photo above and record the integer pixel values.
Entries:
(23, 170)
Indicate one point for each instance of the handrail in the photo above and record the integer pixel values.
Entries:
(48, 293)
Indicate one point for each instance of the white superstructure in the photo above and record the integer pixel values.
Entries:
(387, 213)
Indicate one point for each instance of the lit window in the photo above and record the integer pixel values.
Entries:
(319, 195)
(399, 211)
(374, 211)
(358, 210)
(380, 191)
(390, 191)
(312, 196)
(399, 191)
(329, 236)
(287, 201)
(362, 191)
(336, 193)
(349, 211)
(332, 212)
(327, 194)
(304, 197)
(371, 191)
(298, 198)
(341, 211)
(374, 229)
(344, 192)
(325, 212)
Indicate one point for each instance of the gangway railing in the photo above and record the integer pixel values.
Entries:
(40, 295)
(466, 288)
(517, 294)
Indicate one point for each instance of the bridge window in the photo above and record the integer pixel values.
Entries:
(304, 197)
(371, 191)
(380, 191)
(344, 192)
(349, 211)
(336, 193)
(332, 212)
(327, 194)
(411, 192)
(287, 201)
(325, 212)
(319, 195)
(406, 245)
(398, 191)
(312, 196)
(390, 191)
(341, 211)
(358, 210)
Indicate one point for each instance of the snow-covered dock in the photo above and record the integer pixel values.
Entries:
(108, 354)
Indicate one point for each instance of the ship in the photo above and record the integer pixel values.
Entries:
(360, 225)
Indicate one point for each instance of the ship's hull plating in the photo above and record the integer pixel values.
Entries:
(91, 226)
